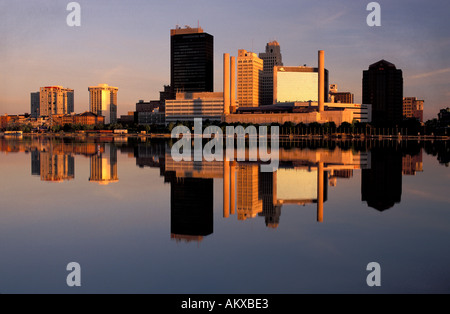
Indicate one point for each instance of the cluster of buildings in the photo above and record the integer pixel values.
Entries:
(257, 88)
(260, 89)
(55, 105)
(57, 102)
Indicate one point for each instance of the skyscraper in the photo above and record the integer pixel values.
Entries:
(250, 69)
(191, 60)
(383, 88)
(54, 100)
(35, 104)
(272, 57)
(103, 102)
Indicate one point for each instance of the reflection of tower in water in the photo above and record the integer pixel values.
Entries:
(53, 164)
(268, 193)
(248, 200)
(381, 186)
(192, 208)
(104, 166)
(263, 193)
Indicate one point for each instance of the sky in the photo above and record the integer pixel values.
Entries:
(127, 44)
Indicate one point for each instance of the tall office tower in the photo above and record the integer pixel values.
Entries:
(55, 100)
(103, 102)
(35, 105)
(104, 166)
(191, 60)
(250, 69)
(383, 89)
(271, 58)
(413, 108)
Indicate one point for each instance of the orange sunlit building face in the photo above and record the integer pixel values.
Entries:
(249, 205)
(55, 100)
(4, 121)
(56, 167)
(87, 118)
(104, 166)
(249, 72)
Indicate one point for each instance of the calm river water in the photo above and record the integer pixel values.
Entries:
(137, 221)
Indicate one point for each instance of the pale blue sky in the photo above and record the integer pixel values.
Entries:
(126, 44)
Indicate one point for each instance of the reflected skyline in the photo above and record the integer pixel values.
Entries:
(162, 224)
(305, 175)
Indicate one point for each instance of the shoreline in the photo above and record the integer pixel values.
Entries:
(291, 137)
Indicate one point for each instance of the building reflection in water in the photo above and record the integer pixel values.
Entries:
(54, 163)
(104, 165)
(248, 192)
(271, 210)
(303, 176)
(249, 202)
(53, 160)
(381, 186)
(192, 196)
(191, 208)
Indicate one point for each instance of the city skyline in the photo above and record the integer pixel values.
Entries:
(137, 59)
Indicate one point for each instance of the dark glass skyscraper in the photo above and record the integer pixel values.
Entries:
(383, 88)
(271, 58)
(192, 60)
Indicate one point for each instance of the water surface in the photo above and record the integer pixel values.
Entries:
(139, 222)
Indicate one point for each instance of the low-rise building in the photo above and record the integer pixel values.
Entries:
(302, 112)
(413, 108)
(86, 118)
(127, 119)
(189, 106)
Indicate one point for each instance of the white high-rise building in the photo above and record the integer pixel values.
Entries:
(103, 102)
(53, 100)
